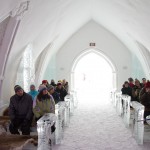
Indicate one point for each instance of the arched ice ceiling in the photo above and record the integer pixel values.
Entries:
(54, 21)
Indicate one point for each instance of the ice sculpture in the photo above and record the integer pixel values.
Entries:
(112, 96)
(118, 103)
(71, 97)
(75, 99)
(60, 114)
(138, 125)
(126, 100)
(44, 131)
(67, 112)
(148, 119)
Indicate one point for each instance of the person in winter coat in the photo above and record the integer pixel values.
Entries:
(66, 86)
(136, 90)
(61, 91)
(44, 103)
(55, 95)
(33, 91)
(45, 82)
(53, 83)
(143, 82)
(20, 111)
(145, 99)
(126, 89)
(131, 82)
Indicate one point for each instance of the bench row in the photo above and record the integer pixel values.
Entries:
(132, 113)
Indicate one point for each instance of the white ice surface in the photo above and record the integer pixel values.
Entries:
(96, 126)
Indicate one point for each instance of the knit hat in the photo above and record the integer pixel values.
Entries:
(44, 81)
(147, 85)
(17, 88)
(42, 87)
(50, 87)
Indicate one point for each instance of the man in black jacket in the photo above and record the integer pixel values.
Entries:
(61, 91)
(126, 89)
(20, 111)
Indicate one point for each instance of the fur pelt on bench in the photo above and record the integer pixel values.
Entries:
(16, 142)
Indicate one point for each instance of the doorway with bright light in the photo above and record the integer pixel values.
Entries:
(93, 77)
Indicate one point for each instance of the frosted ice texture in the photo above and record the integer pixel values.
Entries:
(138, 125)
(44, 131)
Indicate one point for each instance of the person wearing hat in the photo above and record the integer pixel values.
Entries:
(44, 103)
(136, 90)
(131, 82)
(61, 91)
(53, 83)
(145, 98)
(45, 82)
(20, 111)
(126, 89)
(33, 91)
(54, 94)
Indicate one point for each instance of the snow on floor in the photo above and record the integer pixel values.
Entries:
(96, 126)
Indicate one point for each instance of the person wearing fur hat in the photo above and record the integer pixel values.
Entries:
(145, 98)
(44, 103)
(20, 111)
(61, 91)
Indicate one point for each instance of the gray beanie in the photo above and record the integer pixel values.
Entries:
(50, 87)
(42, 87)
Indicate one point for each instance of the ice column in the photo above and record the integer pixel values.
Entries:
(138, 125)
(44, 131)
(126, 100)
(60, 114)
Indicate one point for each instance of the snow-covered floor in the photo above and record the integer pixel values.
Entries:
(96, 126)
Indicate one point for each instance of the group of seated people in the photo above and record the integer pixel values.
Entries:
(26, 107)
(139, 91)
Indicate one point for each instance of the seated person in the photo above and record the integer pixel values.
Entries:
(143, 82)
(145, 99)
(66, 86)
(136, 90)
(61, 91)
(44, 103)
(45, 82)
(20, 111)
(126, 89)
(54, 94)
(53, 83)
(33, 91)
(131, 82)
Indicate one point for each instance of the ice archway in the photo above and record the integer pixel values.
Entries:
(93, 72)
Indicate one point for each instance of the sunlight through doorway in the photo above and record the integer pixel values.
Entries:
(93, 78)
